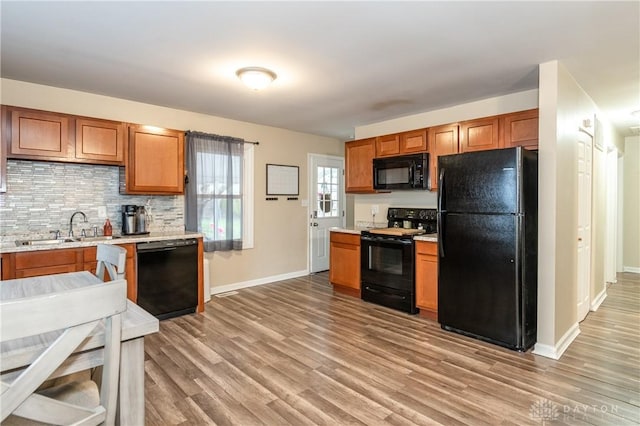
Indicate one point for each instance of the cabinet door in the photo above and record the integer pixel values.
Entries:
(481, 134)
(358, 157)
(387, 145)
(155, 163)
(443, 140)
(413, 141)
(427, 276)
(344, 260)
(39, 134)
(521, 129)
(100, 140)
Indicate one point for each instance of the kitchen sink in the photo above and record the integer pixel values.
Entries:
(49, 241)
(55, 241)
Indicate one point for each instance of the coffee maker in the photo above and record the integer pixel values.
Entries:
(134, 220)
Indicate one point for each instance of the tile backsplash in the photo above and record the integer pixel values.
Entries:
(42, 196)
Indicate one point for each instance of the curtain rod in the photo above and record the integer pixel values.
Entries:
(251, 142)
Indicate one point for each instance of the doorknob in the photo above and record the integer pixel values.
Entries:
(579, 238)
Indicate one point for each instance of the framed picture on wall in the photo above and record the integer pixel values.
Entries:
(282, 180)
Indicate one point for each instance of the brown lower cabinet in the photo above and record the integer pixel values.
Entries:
(344, 262)
(58, 261)
(427, 278)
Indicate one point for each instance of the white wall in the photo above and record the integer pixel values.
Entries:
(564, 105)
(280, 242)
(631, 212)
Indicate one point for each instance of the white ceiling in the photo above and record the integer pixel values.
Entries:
(339, 64)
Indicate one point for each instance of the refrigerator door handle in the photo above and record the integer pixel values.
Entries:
(440, 189)
(440, 213)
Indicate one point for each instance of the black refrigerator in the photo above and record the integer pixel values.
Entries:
(487, 241)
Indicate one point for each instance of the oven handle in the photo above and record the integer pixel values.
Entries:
(396, 296)
(441, 213)
(385, 240)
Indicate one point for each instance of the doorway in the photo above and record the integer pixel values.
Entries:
(585, 170)
(326, 206)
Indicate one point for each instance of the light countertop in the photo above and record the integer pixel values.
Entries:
(10, 246)
(357, 230)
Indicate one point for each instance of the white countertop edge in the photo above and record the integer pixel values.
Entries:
(10, 247)
(432, 238)
(347, 230)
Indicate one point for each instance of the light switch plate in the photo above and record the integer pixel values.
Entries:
(102, 212)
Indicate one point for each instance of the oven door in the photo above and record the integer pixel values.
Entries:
(386, 266)
(387, 262)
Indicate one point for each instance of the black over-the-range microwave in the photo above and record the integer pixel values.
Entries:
(402, 172)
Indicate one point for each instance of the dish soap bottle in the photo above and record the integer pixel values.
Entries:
(107, 230)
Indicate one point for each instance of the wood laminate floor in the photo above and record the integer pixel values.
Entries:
(295, 353)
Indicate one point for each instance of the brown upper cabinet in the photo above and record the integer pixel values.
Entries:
(413, 141)
(155, 164)
(443, 140)
(388, 145)
(480, 134)
(358, 158)
(521, 129)
(100, 140)
(37, 134)
(410, 142)
(48, 136)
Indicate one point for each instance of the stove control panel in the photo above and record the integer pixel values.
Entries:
(413, 218)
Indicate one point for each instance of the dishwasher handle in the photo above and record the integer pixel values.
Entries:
(166, 245)
(156, 250)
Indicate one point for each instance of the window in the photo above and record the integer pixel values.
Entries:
(328, 184)
(219, 195)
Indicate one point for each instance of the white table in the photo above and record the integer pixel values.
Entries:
(136, 323)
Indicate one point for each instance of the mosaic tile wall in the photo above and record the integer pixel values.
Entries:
(42, 196)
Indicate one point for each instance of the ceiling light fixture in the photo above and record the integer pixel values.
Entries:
(256, 78)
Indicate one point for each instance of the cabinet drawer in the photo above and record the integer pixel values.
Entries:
(426, 247)
(40, 259)
(47, 270)
(344, 238)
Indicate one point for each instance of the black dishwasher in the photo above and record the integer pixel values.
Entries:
(168, 277)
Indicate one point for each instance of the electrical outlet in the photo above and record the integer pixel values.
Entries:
(102, 212)
(375, 209)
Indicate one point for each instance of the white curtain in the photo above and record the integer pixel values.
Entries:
(213, 194)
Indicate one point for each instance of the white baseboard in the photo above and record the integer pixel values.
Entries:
(259, 281)
(556, 351)
(633, 269)
(595, 303)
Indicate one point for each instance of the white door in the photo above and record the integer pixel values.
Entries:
(585, 158)
(326, 206)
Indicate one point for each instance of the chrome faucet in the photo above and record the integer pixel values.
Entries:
(71, 222)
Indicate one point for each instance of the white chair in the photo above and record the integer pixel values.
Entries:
(111, 258)
(73, 314)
